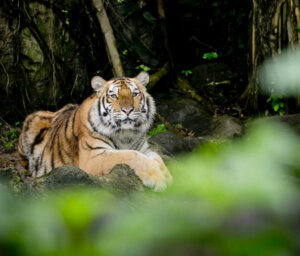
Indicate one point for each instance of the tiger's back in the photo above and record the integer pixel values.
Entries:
(47, 140)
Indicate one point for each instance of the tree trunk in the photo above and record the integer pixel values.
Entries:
(275, 26)
(112, 51)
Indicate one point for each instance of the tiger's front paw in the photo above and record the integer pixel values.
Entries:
(152, 176)
(167, 175)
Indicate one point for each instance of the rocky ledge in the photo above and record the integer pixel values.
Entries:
(120, 180)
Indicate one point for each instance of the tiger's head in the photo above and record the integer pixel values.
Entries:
(122, 104)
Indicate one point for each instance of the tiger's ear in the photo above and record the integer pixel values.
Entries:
(98, 83)
(143, 78)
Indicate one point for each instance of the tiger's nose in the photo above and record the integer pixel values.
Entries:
(127, 110)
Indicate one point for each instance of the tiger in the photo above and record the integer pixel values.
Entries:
(108, 128)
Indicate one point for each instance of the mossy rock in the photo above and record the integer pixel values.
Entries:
(10, 177)
(120, 180)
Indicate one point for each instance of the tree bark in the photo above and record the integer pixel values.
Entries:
(112, 51)
(275, 27)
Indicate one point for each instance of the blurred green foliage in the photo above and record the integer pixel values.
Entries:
(234, 198)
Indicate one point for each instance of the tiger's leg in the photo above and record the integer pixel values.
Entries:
(147, 169)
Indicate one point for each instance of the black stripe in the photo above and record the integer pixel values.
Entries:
(36, 164)
(143, 110)
(91, 122)
(103, 105)
(52, 159)
(59, 150)
(37, 140)
(99, 154)
(105, 108)
(41, 158)
(93, 148)
(99, 107)
(66, 130)
(148, 105)
(110, 143)
(53, 136)
(73, 120)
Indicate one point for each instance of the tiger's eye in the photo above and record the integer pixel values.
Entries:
(135, 94)
(114, 96)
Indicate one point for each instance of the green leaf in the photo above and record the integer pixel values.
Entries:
(143, 67)
(158, 129)
(210, 55)
(186, 72)
(276, 107)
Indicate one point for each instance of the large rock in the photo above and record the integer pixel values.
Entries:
(171, 144)
(193, 116)
(120, 180)
(186, 112)
(65, 176)
(226, 127)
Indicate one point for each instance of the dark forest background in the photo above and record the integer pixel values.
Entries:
(208, 50)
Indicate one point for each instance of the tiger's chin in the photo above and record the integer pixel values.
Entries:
(127, 126)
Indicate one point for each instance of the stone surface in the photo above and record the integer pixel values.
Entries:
(172, 144)
(226, 127)
(120, 180)
(188, 113)
(65, 176)
(191, 115)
